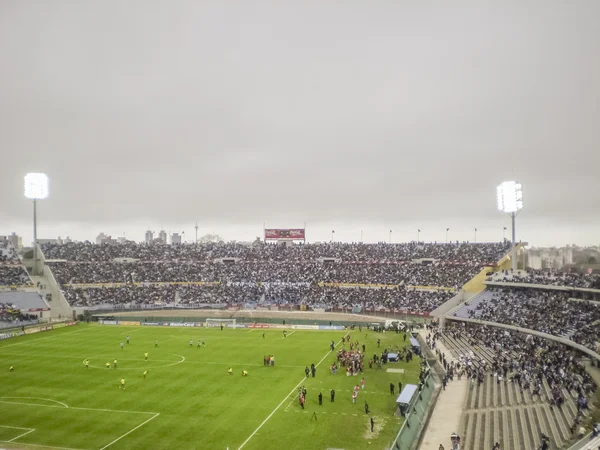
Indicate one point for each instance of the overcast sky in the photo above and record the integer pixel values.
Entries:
(372, 115)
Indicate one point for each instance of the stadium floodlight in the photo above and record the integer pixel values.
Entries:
(510, 200)
(36, 188)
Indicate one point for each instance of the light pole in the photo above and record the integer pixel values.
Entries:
(332, 233)
(196, 227)
(390, 236)
(510, 201)
(447, 229)
(475, 236)
(418, 234)
(361, 236)
(36, 188)
(503, 234)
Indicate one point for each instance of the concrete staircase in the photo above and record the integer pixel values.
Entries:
(501, 412)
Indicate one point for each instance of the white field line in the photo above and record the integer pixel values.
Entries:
(131, 431)
(289, 334)
(284, 400)
(31, 430)
(15, 428)
(35, 398)
(150, 360)
(42, 446)
(33, 341)
(79, 409)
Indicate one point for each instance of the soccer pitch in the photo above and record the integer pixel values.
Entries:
(187, 400)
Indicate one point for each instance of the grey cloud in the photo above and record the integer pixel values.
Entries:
(238, 111)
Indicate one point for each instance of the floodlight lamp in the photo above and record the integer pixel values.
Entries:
(510, 197)
(36, 186)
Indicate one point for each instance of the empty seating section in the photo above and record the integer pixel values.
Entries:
(522, 387)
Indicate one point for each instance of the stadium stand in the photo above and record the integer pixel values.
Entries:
(574, 280)
(478, 254)
(311, 274)
(12, 273)
(548, 311)
(219, 295)
(16, 306)
(521, 387)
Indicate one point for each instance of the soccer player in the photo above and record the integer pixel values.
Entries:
(108, 365)
(12, 369)
(244, 373)
(367, 411)
(115, 363)
(191, 343)
(372, 424)
(203, 343)
(156, 343)
(146, 356)
(354, 395)
(333, 395)
(86, 363)
(128, 339)
(145, 373)
(221, 327)
(122, 386)
(320, 398)
(122, 345)
(263, 335)
(230, 371)
(284, 333)
(362, 382)
(198, 343)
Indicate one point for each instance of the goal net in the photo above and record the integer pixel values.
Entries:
(216, 323)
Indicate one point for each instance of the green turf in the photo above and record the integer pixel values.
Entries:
(191, 404)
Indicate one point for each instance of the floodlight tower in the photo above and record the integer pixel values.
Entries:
(510, 201)
(36, 188)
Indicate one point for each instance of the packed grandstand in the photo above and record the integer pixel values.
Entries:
(414, 277)
(509, 368)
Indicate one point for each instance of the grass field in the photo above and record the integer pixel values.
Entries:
(187, 400)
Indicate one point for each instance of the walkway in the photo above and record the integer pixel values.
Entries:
(447, 413)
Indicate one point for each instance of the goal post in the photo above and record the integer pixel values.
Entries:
(216, 323)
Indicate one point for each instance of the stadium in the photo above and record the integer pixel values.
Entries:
(265, 225)
(467, 350)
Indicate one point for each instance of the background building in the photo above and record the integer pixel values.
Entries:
(162, 236)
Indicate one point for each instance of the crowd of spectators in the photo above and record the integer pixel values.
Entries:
(9, 313)
(11, 272)
(7, 253)
(199, 295)
(411, 274)
(477, 254)
(548, 311)
(574, 280)
(13, 275)
(527, 360)
(269, 273)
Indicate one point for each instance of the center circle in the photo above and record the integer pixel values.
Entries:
(119, 367)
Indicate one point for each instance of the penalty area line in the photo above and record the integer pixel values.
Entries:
(289, 334)
(31, 430)
(284, 400)
(131, 431)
